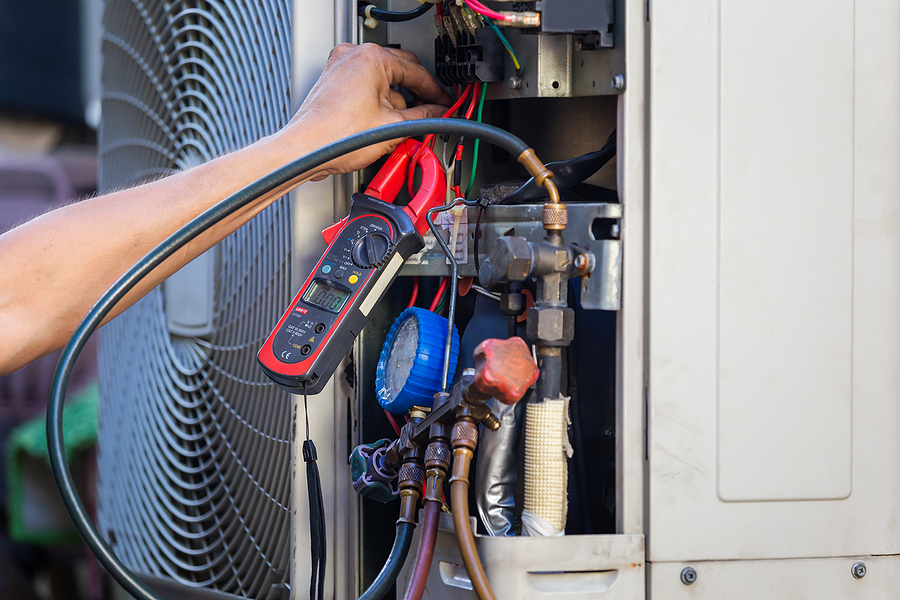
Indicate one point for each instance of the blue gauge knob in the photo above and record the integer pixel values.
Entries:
(412, 359)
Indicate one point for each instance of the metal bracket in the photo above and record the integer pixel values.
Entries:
(592, 226)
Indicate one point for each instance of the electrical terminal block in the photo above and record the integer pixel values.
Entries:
(469, 57)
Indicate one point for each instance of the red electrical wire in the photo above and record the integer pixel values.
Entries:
(393, 421)
(438, 294)
(484, 10)
(471, 108)
(429, 139)
(415, 293)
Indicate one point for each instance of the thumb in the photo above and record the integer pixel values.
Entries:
(423, 111)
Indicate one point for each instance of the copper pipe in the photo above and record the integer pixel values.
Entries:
(459, 499)
(425, 554)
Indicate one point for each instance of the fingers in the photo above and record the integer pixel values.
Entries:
(414, 77)
(397, 100)
(423, 111)
(405, 54)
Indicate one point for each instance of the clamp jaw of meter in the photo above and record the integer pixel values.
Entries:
(365, 252)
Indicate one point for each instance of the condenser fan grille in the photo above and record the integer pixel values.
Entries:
(195, 442)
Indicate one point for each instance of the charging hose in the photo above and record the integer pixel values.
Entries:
(419, 576)
(290, 172)
(391, 568)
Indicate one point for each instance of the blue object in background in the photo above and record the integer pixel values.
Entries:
(412, 358)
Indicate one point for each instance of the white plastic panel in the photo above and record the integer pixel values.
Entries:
(821, 579)
(774, 279)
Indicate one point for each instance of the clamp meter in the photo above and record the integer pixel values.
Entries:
(365, 252)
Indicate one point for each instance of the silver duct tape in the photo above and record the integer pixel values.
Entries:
(495, 477)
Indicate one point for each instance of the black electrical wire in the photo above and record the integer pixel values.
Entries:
(391, 568)
(283, 175)
(393, 17)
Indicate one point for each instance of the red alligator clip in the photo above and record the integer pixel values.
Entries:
(391, 177)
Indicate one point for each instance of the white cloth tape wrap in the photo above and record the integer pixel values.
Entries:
(546, 473)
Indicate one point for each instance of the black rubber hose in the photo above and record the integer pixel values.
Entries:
(566, 173)
(291, 171)
(394, 17)
(391, 568)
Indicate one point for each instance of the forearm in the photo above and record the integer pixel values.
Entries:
(54, 268)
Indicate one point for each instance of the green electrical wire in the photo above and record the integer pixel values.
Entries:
(475, 153)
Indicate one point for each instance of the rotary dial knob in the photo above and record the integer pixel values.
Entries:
(370, 251)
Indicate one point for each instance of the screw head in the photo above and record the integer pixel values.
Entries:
(580, 261)
(514, 83)
(688, 576)
(618, 82)
(858, 570)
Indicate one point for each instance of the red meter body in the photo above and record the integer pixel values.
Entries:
(365, 253)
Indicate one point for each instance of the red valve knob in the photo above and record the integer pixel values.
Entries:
(505, 369)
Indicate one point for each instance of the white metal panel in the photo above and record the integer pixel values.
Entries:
(774, 279)
(631, 177)
(575, 567)
(785, 205)
(821, 579)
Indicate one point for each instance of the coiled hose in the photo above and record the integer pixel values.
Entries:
(283, 176)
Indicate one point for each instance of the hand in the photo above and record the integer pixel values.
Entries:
(354, 94)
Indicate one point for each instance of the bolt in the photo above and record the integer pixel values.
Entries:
(514, 83)
(578, 45)
(618, 82)
(689, 576)
(858, 570)
(580, 261)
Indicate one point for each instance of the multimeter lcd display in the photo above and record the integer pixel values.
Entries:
(326, 295)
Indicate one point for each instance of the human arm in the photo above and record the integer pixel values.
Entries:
(54, 268)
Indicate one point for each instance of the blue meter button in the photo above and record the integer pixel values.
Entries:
(326, 269)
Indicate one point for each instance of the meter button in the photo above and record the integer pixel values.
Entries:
(370, 250)
(352, 279)
(338, 274)
(326, 269)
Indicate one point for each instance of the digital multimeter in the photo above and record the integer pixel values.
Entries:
(365, 253)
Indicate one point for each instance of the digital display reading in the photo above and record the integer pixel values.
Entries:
(325, 295)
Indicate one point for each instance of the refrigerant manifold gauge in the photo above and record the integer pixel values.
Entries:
(412, 359)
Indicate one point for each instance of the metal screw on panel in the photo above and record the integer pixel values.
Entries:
(858, 570)
(689, 575)
(514, 83)
(618, 82)
(580, 261)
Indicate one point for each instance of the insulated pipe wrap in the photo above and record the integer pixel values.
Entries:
(546, 450)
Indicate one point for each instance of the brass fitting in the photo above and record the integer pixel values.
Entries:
(462, 460)
(555, 216)
(409, 500)
(435, 478)
(491, 422)
(411, 477)
(465, 435)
